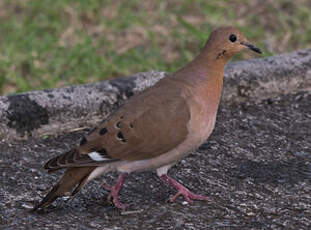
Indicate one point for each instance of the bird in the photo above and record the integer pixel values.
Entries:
(154, 129)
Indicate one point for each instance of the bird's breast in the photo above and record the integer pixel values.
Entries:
(200, 127)
(203, 111)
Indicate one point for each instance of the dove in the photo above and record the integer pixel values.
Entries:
(154, 129)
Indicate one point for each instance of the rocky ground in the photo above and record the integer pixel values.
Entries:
(255, 168)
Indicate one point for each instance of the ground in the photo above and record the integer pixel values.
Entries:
(255, 168)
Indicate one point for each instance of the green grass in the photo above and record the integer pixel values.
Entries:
(54, 43)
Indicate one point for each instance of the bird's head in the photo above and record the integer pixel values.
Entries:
(227, 41)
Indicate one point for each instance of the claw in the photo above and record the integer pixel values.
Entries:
(114, 192)
(182, 191)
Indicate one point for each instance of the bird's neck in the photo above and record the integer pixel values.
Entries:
(205, 71)
(204, 76)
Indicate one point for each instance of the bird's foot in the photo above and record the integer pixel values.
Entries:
(114, 192)
(188, 195)
(182, 191)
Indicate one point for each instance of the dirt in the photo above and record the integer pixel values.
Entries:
(255, 168)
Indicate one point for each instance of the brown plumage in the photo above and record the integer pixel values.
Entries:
(156, 128)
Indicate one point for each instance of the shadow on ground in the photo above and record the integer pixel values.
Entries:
(256, 169)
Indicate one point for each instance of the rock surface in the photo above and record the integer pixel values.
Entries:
(56, 110)
(256, 169)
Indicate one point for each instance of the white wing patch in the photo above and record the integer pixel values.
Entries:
(96, 156)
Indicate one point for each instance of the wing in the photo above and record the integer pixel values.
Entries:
(147, 126)
(150, 124)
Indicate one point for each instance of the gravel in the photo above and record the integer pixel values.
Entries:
(255, 168)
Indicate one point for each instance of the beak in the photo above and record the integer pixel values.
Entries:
(251, 47)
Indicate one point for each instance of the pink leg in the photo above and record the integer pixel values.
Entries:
(182, 191)
(114, 191)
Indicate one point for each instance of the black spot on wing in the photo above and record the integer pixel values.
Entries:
(131, 125)
(103, 131)
(121, 137)
(118, 124)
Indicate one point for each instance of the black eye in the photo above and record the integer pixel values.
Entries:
(232, 38)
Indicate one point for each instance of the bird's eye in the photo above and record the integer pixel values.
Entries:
(232, 38)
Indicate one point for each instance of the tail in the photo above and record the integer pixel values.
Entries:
(71, 178)
(78, 169)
